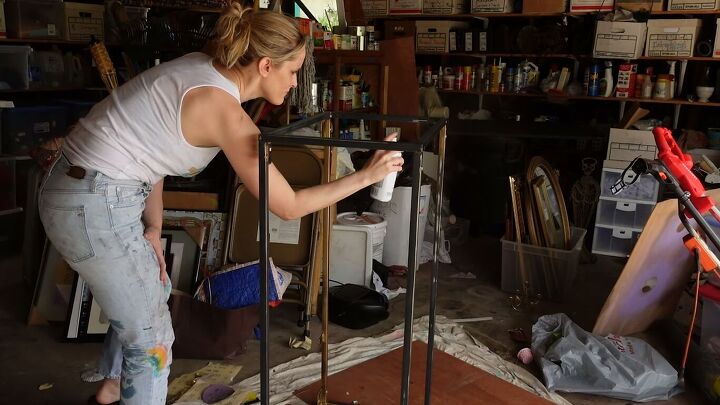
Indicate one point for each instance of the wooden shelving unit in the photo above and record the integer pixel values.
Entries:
(466, 16)
(560, 97)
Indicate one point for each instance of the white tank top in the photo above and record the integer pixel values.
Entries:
(135, 132)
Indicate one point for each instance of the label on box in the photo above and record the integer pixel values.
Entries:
(692, 5)
(619, 40)
(405, 7)
(432, 41)
(716, 53)
(627, 75)
(452, 37)
(491, 6)
(637, 5)
(51, 30)
(41, 127)
(591, 5)
(670, 44)
(672, 37)
(616, 45)
(443, 7)
(374, 8)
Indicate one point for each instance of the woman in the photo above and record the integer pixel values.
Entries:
(101, 202)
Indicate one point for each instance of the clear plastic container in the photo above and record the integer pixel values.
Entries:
(626, 214)
(614, 241)
(550, 272)
(645, 189)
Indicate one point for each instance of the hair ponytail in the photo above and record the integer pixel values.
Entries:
(244, 35)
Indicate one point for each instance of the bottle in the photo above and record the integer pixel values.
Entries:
(647, 88)
(383, 189)
(671, 73)
(586, 81)
(606, 83)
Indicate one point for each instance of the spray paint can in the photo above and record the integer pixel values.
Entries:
(383, 189)
(594, 81)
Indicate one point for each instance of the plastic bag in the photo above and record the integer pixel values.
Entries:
(573, 360)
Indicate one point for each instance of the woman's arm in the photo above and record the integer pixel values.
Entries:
(152, 218)
(240, 146)
(211, 117)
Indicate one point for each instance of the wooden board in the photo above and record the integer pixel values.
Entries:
(654, 276)
(377, 381)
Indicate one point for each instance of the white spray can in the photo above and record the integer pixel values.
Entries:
(383, 189)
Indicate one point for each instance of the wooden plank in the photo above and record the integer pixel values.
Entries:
(377, 381)
(190, 201)
(654, 276)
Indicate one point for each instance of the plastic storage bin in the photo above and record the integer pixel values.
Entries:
(645, 189)
(710, 330)
(550, 272)
(14, 67)
(614, 241)
(24, 128)
(34, 18)
(625, 214)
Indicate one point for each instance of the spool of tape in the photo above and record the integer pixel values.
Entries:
(704, 48)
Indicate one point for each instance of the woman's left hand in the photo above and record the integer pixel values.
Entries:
(153, 236)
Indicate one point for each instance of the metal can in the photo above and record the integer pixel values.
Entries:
(594, 81)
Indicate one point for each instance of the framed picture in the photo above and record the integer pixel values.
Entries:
(185, 254)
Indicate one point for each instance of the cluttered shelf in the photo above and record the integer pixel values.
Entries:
(465, 16)
(558, 56)
(559, 97)
(51, 89)
(4, 41)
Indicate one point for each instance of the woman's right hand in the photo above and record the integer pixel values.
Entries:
(383, 162)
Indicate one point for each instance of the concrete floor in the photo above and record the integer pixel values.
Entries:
(32, 356)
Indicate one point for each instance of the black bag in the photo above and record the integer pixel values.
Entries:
(356, 307)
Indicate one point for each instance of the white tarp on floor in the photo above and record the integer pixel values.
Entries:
(450, 337)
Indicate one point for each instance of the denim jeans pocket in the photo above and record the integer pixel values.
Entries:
(69, 229)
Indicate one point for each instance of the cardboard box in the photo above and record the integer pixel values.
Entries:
(637, 5)
(544, 6)
(716, 53)
(693, 5)
(627, 75)
(374, 8)
(405, 7)
(491, 6)
(624, 145)
(619, 40)
(672, 37)
(444, 7)
(3, 29)
(591, 6)
(433, 36)
(81, 21)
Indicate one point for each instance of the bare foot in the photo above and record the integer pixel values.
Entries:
(108, 392)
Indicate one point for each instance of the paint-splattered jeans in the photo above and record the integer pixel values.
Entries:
(95, 223)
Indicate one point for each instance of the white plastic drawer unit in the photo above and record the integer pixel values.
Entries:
(625, 214)
(644, 189)
(614, 241)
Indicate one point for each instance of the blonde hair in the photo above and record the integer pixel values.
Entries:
(244, 35)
